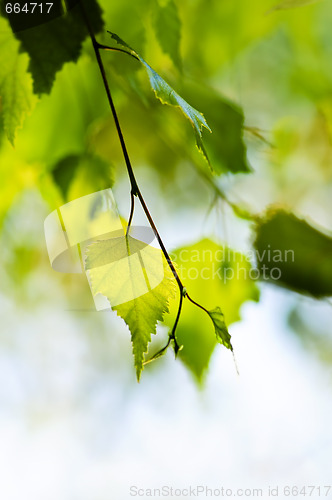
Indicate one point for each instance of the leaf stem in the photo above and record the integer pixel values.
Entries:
(116, 49)
(159, 353)
(160, 241)
(95, 45)
(196, 304)
(171, 337)
(132, 208)
(201, 307)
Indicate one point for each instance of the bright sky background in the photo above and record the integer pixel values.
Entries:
(71, 430)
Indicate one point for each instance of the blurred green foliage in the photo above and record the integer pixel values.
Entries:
(262, 79)
(300, 254)
(213, 275)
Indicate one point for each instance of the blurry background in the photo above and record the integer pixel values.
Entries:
(74, 423)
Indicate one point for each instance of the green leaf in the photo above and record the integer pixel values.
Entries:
(292, 253)
(168, 30)
(225, 146)
(212, 274)
(167, 95)
(291, 4)
(52, 132)
(222, 334)
(79, 175)
(137, 281)
(52, 44)
(16, 94)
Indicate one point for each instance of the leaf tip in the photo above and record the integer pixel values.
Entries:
(138, 374)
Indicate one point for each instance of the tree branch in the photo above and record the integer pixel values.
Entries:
(134, 186)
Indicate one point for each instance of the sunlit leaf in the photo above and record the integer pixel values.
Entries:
(58, 126)
(137, 281)
(15, 83)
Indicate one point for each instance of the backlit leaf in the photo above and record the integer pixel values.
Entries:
(167, 95)
(137, 281)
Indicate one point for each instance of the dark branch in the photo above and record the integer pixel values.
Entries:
(134, 186)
